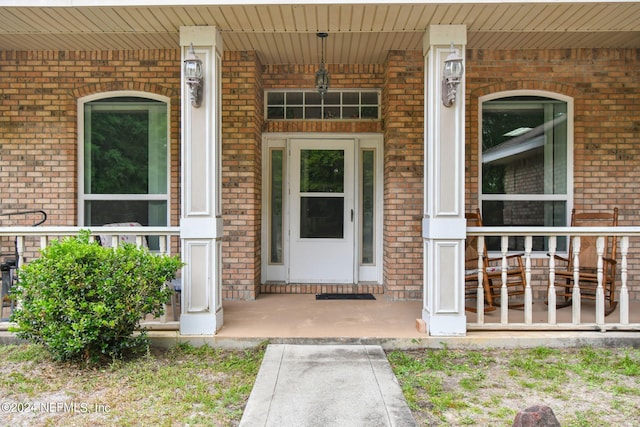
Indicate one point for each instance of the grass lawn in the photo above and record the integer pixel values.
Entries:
(187, 386)
(584, 387)
(178, 387)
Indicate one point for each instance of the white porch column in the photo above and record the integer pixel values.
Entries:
(201, 214)
(444, 224)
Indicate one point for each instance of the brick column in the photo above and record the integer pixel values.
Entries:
(444, 225)
(201, 213)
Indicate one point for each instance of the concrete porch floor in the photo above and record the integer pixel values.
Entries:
(302, 316)
(301, 319)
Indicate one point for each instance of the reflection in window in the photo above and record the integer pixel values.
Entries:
(276, 237)
(125, 161)
(322, 217)
(368, 206)
(322, 171)
(524, 164)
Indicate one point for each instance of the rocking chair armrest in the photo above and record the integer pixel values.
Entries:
(498, 258)
(610, 260)
(558, 257)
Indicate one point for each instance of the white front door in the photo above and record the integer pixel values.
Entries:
(322, 217)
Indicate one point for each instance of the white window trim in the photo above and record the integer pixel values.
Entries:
(570, 142)
(82, 197)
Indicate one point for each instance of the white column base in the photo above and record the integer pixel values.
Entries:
(445, 325)
(199, 324)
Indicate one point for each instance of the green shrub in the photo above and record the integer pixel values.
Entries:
(84, 302)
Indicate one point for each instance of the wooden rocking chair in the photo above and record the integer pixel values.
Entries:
(588, 262)
(492, 275)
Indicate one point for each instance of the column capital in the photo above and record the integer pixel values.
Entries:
(444, 35)
(201, 36)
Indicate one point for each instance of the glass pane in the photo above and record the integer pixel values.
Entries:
(332, 98)
(148, 213)
(332, 113)
(100, 212)
(524, 146)
(125, 145)
(321, 171)
(369, 112)
(524, 213)
(321, 217)
(350, 113)
(119, 147)
(275, 113)
(294, 112)
(368, 208)
(276, 237)
(275, 98)
(294, 98)
(313, 98)
(370, 98)
(352, 98)
(313, 112)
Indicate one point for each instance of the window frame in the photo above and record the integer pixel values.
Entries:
(82, 195)
(341, 106)
(568, 197)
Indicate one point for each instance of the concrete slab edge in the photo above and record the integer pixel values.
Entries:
(474, 340)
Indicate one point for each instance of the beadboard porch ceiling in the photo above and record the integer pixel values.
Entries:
(282, 33)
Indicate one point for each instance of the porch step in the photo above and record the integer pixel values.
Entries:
(323, 288)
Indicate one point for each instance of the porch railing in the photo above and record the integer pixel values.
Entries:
(538, 312)
(26, 241)
(541, 313)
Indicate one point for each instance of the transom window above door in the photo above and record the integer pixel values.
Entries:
(335, 105)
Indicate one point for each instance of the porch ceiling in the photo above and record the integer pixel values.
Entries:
(285, 33)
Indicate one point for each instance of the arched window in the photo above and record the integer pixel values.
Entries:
(124, 159)
(525, 162)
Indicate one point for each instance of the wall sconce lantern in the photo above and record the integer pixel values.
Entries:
(193, 77)
(322, 75)
(451, 77)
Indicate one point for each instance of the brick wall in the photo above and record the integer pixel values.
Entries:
(242, 121)
(38, 135)
(403, 112)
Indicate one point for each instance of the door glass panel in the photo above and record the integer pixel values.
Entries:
(321, 171)
(276, 214)
(368, 208)
(321, 217)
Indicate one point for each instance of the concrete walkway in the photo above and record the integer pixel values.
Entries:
(326, 385)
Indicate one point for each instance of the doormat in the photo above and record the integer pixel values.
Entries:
(344, 296)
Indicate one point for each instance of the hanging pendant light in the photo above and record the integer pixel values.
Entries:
(322, 75)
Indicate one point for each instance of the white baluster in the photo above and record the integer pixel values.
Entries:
(504, 293)
(576, 302)
(480, 289)
(20, 250)
(139, 241)
(115, 241)
(163, 244)
(551, 296)
(43, 242)
(624, 291)
(600, 289)
(528, 297)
